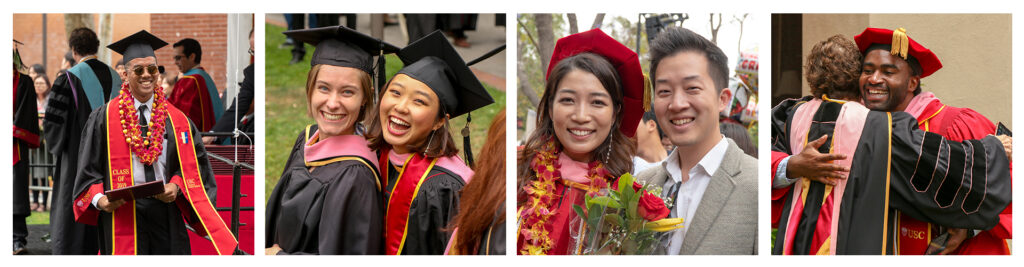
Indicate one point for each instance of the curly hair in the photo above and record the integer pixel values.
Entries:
(833, 68)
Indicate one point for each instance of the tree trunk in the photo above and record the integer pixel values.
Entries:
(597, 21)
(104, 33)
(573, 27)
(545, 39)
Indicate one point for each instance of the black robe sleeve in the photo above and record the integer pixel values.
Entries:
(435, 206)
(26, 121)
(274, 201)
(65, 115)
(956, 184)
(494, 242)
(782, 114)
(92, 168)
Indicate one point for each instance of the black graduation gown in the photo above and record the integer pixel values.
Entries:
(954, 184)
(435, 206)
(26, 117)
(493, 241)
(336, 209)
(64, 121)
(160, 226)
(246, 92)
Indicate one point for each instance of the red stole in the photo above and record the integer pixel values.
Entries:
(410, 177)
(208, 222)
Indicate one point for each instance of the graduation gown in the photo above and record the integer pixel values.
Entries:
(26, 135)
(196, 95)
(337, 208)
(958, 124)
(71, 102)
(896, 169)
(492, 241)
(434, 202)
(160, 227)
(246, 92)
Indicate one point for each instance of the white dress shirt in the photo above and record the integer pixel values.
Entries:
(138, 169)
(692, 191)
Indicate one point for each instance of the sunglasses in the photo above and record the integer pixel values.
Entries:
(152, 69)
(251, 52)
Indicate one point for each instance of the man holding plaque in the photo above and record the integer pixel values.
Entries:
(139, 139)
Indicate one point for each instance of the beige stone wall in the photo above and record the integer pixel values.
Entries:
(975, 50)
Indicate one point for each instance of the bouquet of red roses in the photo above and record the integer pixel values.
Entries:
(627, 219)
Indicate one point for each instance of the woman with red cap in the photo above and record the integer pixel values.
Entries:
(592, 104)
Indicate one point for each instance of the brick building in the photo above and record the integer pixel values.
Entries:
(211, 30)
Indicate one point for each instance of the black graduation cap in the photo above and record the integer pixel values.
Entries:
(433, 61)
(138, 45)
(345, 47)
(342, 46)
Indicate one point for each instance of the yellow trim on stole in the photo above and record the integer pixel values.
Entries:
(405, 231)
(888, 170)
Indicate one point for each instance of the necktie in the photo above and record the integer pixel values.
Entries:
(144, 127)
(673, 192)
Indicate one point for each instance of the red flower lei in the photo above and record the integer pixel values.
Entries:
(542, 198)
(148, 147)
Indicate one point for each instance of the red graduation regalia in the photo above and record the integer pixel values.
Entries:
(922, 181)
(958, 124)
(422, 196)
(143, 226)
(191, 96)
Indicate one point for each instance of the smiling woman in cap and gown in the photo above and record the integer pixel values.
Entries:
(421, 171)
(136, 138)
(329, 200)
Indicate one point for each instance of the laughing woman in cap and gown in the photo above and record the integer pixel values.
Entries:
(592, 104)
(328, 200)
(420, 168)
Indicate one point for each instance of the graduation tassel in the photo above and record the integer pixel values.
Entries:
(900, 42)
(466, 146)
(647, 93)
(381, 74)
(465, 141)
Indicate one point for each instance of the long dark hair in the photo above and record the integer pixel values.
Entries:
(622, 148)
(483, 197)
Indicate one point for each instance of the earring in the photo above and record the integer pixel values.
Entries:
(429, 142)
(608, 154)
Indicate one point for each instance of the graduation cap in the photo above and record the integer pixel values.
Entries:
(634, 84)
(900, 45)
(345, 47)
(433, 61)
(138, 45)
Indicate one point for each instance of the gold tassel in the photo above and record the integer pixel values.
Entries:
(647, 93)
(900, 42)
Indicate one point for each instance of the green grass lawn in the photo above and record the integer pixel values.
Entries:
(38, 217)
(286, 105)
